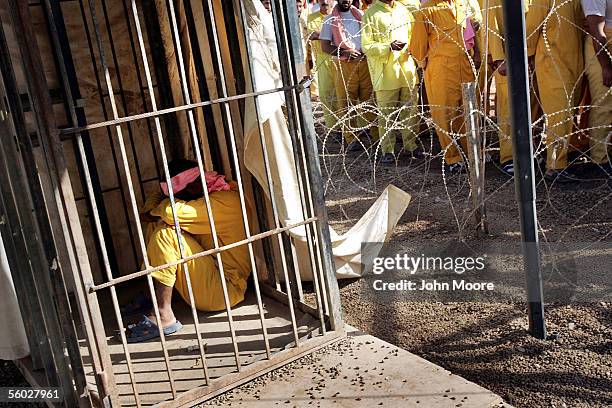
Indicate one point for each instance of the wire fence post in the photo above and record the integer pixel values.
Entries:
(475, 156)
(520, 113)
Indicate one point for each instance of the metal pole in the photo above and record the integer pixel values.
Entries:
(520, 111)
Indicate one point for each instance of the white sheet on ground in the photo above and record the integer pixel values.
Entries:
(376, 225)
(13, 344)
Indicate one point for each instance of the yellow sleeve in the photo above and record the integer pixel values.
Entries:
(312, 24)
(496, 35)
(192, 215)
(371, 46)
(419, 41)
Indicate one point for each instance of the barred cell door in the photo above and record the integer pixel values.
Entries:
(117, 89)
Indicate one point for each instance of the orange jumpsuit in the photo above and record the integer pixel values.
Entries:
(437, 43)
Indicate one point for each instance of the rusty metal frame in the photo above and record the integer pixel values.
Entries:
(69, 239)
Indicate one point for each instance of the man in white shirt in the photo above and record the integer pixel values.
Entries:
(341, 37)
(598, 61)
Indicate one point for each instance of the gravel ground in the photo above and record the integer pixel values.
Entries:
(486, 343)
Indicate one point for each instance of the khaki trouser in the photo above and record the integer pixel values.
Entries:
(354, 87)
(600, 117)
(398, 110)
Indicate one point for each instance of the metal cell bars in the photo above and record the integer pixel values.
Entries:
(272, 193)
(291, 95)
(123, 101)
(228, 119)
(116, 122)
(269, 182)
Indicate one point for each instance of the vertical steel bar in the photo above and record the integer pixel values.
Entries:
(313, 172)
(62, 204)
(287, 76)
(14, 105)
(520, 112)
(269, 181)
(228, 117)
(36, 228)
(63, 56)
(143, 55)
(132, 197)
(113, 290)
(121, 92)
(196, 147)
(294, 43)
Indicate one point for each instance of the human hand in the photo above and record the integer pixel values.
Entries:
(397, 45)
(352, 54)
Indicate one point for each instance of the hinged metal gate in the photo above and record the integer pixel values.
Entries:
(51, 230)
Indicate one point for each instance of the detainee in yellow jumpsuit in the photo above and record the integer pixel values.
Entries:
(324, 65)
(438, 44)
(600, 118)
(163, 248)
(559, 65)
(353, 83)
(498, 54)
(387, 27)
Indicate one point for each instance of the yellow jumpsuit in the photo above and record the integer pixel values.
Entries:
(437, 43)
(326, 72)
(600, 117)
(162, 248)
(559, 64)
(393, 73)
(498, 53)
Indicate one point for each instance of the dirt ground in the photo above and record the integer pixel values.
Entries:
(484, 342)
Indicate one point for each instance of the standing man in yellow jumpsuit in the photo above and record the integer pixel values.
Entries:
(162, 248)
(597, 52)
(341, 37)
(438, 44)
(324, 66)
(498, 55)
(387, 26)
(559, 64)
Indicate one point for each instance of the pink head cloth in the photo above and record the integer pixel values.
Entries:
(469, 35)
(339, 33)
(214, 181)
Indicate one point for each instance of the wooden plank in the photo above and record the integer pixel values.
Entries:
(210, 78)
(165, 29)
(474, 155)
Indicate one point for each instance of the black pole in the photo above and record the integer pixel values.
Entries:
(524, 176)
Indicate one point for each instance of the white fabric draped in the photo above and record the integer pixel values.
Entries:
(376, 225)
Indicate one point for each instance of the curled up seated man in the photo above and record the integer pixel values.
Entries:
(196, 234)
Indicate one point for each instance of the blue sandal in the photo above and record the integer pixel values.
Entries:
(146, 330)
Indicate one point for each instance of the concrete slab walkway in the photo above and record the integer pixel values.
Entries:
(361, 371)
